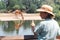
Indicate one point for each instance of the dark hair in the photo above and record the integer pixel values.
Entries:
(49, 16)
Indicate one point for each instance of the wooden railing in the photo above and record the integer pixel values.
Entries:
(26, 37)
(13, 17)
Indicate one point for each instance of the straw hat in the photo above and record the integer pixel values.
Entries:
(46, 8)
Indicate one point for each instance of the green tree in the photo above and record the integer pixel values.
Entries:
(16, 7)
(32, 8)
(2, 5)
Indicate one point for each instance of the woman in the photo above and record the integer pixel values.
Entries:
(49, 28)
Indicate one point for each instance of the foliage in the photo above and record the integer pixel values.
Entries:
(29, 5)
(3, 10)
(16, 7)
(2, 5)
(8, 26)
(32, 8)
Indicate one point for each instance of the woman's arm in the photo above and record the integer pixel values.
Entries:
(33, 27)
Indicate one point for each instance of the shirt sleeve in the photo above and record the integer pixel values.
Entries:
(58, 31)
(39, 28)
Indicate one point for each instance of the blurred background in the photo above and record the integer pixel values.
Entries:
(28, 6)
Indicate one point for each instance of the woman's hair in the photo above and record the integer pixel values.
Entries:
(49, 16)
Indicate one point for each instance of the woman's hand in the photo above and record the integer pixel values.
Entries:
(32, 24)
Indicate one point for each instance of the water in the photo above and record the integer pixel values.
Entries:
(8, 29)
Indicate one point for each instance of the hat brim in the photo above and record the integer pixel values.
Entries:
(41, 10)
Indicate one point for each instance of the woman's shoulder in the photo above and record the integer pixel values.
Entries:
(48, 21)
(43, 22)
(55, 21)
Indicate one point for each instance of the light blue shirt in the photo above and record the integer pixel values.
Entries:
(47, 30)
